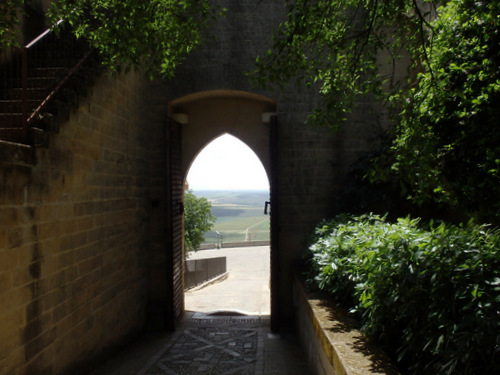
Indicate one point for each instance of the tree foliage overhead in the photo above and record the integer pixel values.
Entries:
(9, 20)
(447, 141)
(336, 44)
(198, 219)
(446, 136)
(154, 35)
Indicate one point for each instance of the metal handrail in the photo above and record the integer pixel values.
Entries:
(41, 36)
(18, 65)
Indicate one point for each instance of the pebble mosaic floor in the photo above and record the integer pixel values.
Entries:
(222, 346)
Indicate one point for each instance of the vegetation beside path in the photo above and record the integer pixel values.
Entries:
(429, 293)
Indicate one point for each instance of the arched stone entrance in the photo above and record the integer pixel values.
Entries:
(207, 115)
(194, 121)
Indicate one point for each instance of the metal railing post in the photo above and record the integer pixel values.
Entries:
(24, 98)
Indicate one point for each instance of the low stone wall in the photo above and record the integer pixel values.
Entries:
(210, 246)
(198, 271)
(331, 341)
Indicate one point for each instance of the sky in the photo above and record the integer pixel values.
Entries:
(227, 164)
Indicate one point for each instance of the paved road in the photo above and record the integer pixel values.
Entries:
(246, 288)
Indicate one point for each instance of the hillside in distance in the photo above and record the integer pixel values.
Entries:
(252, 198)
(240, 215)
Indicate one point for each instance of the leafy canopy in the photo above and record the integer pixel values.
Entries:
(446, 139)
(9, 20)
(198, 219)
(335, 46)
(154, 35)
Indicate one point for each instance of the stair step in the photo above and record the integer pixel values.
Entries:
(42, 81)
(49, 71)
(37, 78)
(44, 75)
(10, 81)
(39, 137)
(11, 120)
(16, 105)
(55, 108)
(60, 109)
(65, 61)
(46, 121)
(36, 93)
(12, 135)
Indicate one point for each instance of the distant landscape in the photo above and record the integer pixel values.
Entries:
(240, 215)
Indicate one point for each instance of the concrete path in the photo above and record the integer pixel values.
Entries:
(246, 288)
(219, 344)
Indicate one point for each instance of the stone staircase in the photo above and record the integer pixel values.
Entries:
(40, 83)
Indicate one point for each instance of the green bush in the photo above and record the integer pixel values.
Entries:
(430, 294)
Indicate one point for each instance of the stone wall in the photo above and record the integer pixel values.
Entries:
(83, 224)
(313, 162)
(75, 234)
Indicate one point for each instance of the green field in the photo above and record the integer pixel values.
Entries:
(240, 215)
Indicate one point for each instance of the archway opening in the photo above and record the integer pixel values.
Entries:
(232, 178)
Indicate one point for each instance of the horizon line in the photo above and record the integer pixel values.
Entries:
(226, 189)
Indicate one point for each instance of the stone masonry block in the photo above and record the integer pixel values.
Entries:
(5, 280)
(9, 216)
(10, 356)
(54, 281)
(62, 319)
(15, 237)
(3, 238)
(87, 266)
(14, 298)
(66, 259)
(8, 259)
(14, 362)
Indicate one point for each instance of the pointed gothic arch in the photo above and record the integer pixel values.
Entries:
(206, 115)
(225, 137)
(196, 120)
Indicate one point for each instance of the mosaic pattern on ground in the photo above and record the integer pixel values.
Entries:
(215, 349)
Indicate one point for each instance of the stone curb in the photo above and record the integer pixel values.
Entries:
(331, 341)
(217, 279)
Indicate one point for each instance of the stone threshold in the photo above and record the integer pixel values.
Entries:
(17, 154)
(331, 341)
